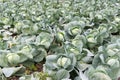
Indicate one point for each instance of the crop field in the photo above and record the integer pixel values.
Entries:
(59, 39)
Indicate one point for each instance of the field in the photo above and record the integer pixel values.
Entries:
(59, 39)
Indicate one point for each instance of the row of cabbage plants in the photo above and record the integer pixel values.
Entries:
(73, 39)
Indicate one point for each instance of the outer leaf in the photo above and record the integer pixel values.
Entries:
(61, 74)
(39, 57)
(3, 60)
(10, 71)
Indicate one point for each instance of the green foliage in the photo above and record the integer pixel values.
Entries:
(81, 36)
